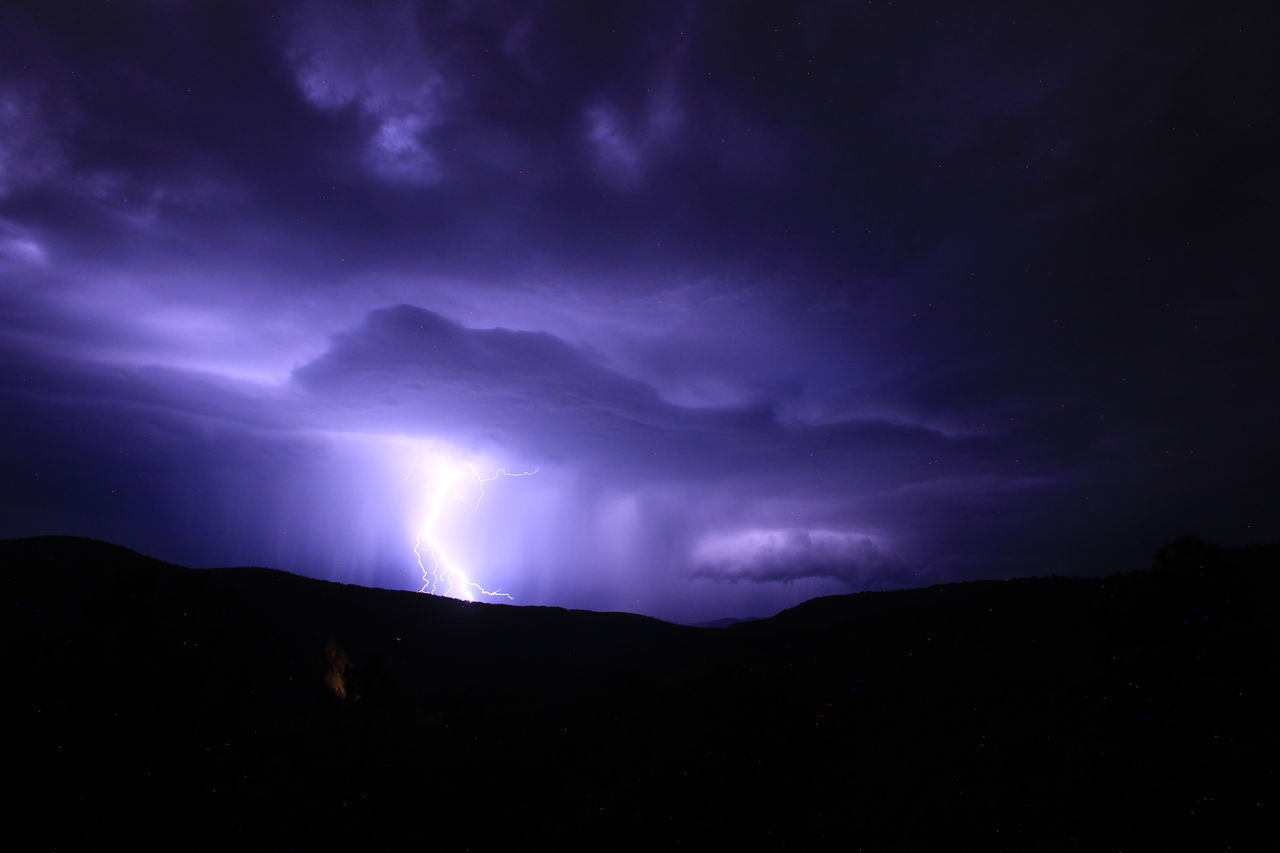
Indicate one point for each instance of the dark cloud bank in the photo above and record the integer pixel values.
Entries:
(779, 299)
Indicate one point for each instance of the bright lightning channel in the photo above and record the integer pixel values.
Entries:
(440, 574)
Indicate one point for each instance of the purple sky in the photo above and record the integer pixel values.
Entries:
(780, 300)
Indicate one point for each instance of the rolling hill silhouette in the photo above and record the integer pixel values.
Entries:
(163, 707)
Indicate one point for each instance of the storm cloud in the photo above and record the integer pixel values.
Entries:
(779, 299)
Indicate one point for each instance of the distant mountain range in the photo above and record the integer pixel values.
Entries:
(154, 707)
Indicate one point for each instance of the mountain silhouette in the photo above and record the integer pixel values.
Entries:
(163, 707)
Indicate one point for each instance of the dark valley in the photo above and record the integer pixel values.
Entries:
(164, 707)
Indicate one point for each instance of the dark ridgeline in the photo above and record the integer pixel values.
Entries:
(156, 706)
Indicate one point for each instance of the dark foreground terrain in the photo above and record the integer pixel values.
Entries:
(161, 707)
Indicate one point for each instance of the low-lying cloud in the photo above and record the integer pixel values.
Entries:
(772, 556)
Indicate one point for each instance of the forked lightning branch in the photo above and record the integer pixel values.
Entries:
(450, 481)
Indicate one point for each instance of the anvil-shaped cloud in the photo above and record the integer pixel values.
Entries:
(630, 483)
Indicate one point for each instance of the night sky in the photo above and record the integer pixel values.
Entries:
(778, 299)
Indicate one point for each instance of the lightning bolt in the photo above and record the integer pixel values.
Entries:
(440, 574)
